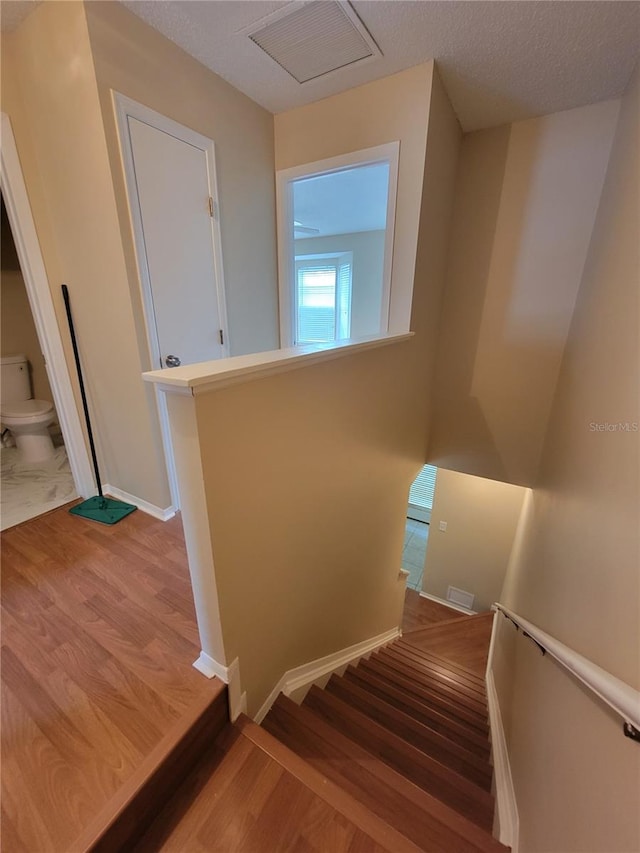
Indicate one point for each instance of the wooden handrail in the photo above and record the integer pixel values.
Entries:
(623, 698)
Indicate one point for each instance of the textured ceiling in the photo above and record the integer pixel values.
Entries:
(500, 61)
(13, 12)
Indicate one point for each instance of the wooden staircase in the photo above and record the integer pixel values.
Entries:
(393, 755)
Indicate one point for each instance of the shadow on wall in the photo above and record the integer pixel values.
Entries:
(522, 222)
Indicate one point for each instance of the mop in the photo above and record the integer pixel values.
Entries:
(98, 508)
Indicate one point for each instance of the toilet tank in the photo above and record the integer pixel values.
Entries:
(15, 383)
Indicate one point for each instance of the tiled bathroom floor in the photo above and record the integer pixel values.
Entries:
(30, 490)
(414, 552)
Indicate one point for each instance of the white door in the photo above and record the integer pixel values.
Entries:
(171, 186)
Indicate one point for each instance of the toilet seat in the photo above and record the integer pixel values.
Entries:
(25, 410)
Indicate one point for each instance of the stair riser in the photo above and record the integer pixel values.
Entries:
(428, 697)
(443, 750)
(378, 792)
(474, 679)
(447, 786)
(449, 676)
(454, 693)
(430, 717)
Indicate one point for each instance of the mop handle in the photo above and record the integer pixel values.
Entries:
(76, 355)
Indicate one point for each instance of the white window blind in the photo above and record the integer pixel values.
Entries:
(323, 298)
(316, 304)
(421, 492)
(344, 300)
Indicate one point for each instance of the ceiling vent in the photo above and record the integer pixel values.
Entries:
(312, 39)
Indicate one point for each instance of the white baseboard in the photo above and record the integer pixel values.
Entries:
(450, 604)
(210, 668)
(307, 673)
(145, 506)
(506, 804)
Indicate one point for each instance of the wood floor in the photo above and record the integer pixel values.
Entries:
(98, 638)
(422, 612)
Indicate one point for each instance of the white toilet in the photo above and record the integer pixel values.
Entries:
(26, 419)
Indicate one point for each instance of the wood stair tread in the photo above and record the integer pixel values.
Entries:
(434, 681)
(262, 796)
(442, 748)
(426, 695)
(439, 668)
(334, 795)
(429, 774)
(432, 824)
(430, 716)
(432, 657)
(464, 640)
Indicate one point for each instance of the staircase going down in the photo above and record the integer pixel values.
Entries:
(392, 755)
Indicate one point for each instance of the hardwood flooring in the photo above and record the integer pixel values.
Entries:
(463, 641)
(98, 638)
(421, 612)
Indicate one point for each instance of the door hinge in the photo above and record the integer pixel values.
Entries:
(212, 208)
(221, 337)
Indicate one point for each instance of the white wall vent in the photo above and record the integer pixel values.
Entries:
(312, 39)
(460, 597)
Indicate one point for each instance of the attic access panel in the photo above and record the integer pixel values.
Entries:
(315, 38)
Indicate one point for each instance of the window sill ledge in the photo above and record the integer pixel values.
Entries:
(194, 379)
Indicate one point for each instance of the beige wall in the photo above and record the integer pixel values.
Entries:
(18, 332)
(134, 59)
(307, 558)
(473, 553)
(306, 475)
(526, 201)
(394, 108)
(576, 575)
(367, 273)
(50, 93)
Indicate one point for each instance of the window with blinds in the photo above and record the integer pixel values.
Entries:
(323, 299)
(421, 494)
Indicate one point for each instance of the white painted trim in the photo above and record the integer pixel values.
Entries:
(389, 153)
(210, 668)
(44, 317)
(195, 521)
(507, 818)
(123, 108)
(145, 506)
(449, 604)
(307, 673)
(193, 379)
(506, 803)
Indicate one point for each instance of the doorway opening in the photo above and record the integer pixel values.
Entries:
(44, 457)
(35, 471)
(419, 508)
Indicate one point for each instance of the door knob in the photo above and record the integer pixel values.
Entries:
(172, 361)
